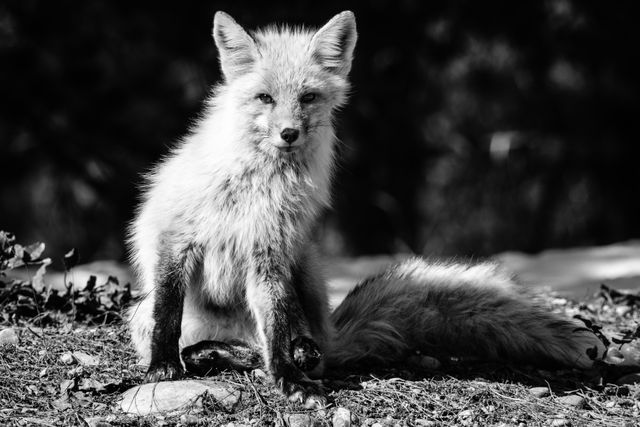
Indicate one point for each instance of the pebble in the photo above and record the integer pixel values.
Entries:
(539, 391)
(341, 418)
(8, 336)
(165, 396)
(67, 358)
(572, 400)
(260, 374)
(299, 420)
(188, 419)
(97, 422)
(623, 310)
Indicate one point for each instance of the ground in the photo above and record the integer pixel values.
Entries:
(65, 359)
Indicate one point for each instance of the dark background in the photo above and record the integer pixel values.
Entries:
(474, 126)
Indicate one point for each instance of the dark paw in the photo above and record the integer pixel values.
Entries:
(305, 353)
(300, 389)
(164, 371)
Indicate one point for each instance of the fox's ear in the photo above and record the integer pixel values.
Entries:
(236, 48)
(333, 44)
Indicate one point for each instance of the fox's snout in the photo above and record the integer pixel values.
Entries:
(289, 135)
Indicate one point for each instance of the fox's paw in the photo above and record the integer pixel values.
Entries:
(303, 390)
(165, 370)
(305, 353)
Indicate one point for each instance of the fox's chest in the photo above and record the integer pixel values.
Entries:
(247, 221)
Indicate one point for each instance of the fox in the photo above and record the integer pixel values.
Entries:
(222, 244)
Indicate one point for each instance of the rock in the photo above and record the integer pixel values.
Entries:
(67, 358)
(188, 419)
(85, 360)
(572, 400)
(623, 310)
(260, 374)
(560, 422)
(167, 396)
(629, 379)
(631, 353)
(97, 422)
(539, 391)
(299, 420)
(341, 418)
(8, 336)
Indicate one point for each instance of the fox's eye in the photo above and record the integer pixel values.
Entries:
(265, 98)
(308, 97)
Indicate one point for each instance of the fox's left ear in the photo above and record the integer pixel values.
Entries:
(333, 44)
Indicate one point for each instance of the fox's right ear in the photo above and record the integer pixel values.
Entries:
(237, 49)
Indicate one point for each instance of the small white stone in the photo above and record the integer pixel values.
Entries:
(299, 420)
(572, 400)
(341, 418)
(67, 358)
(8, 336)
(188, 419)
(539, 391)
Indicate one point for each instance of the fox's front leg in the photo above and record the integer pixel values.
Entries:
(167, 312)
(271, 301)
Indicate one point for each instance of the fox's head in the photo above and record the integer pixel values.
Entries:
(286, 82)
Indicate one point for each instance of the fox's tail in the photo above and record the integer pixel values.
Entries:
(453, 310)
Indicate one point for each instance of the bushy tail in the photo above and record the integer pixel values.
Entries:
(452, 310)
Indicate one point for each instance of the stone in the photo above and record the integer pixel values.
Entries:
(166, 396)
(539, 391)
(572, 400)
(299, 420)
(341, 418)
(97, 422)
(67, 358)
(188, 419)
(8, 336)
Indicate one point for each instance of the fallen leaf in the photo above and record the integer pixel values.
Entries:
(89, 384)
(86, 360)
(61, 404)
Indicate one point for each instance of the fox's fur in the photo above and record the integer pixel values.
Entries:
(221, 240)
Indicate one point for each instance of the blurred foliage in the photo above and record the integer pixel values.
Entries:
(473, 128)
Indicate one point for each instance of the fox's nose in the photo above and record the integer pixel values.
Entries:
(289, 135)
